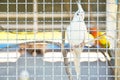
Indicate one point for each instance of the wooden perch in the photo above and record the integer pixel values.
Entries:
(109, 51)
(64, 52)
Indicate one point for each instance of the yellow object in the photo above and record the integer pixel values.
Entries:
(29, 35)
(103, 42)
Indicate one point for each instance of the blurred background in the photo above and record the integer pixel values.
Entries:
(51, 13)
(23, 22)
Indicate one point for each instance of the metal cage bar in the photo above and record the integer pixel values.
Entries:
(34, 44)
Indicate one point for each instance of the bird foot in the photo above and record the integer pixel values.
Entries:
(81, 45)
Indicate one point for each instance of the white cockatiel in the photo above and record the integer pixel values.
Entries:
(77, 35)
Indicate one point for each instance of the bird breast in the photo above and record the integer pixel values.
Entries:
(76, 32)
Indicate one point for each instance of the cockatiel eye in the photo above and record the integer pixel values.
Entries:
(77, 13)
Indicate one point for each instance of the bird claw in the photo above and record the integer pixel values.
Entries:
(81, 45)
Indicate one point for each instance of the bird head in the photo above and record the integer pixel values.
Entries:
(94, 31)
(79, 14)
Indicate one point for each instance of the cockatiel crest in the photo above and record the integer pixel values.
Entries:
(80, 14)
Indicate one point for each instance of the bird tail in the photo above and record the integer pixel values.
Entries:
(77, 53)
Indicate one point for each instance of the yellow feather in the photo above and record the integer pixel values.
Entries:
(103, 41)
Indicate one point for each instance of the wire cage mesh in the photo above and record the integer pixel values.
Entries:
(33, 40)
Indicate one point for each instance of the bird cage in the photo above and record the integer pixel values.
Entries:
(34, 42)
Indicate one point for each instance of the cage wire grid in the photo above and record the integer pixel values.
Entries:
(31, 39)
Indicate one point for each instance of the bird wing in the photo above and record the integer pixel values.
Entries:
(103, 42)
(76, 33)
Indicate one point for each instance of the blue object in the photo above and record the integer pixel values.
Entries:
(117, 1)
(52, 46)
(67, 45)
(8, 45)
(49, 46)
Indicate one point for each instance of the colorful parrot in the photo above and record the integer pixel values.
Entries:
(102, 40)
(76, 34)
